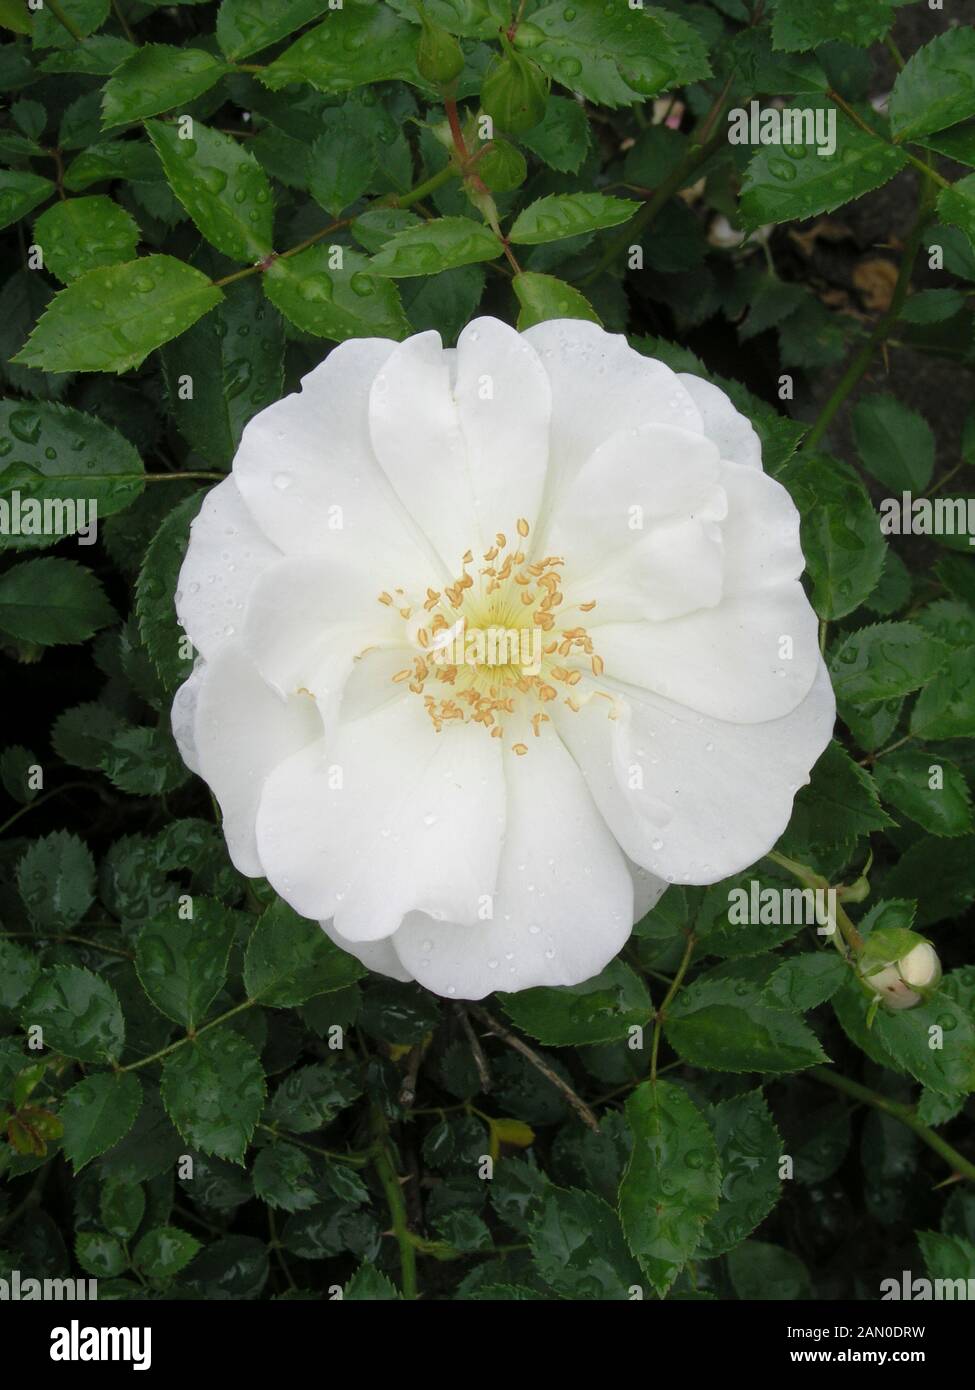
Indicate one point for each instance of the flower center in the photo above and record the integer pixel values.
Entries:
(491, 644)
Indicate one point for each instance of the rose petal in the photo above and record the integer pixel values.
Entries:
(694, 799)
(307, 472)
(601, 385)
(385, 817)
(242, 731)
(748, 660)
(504, 404)
(563, 903)
(733, 433)
(226, 555)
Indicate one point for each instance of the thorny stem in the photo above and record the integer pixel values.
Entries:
(905, 1113)
(661, 1014)
(386, 1172)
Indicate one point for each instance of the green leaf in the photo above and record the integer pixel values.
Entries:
(885, 660)
(948, 1257)
(83, 735)
(904, 780)
(788, 182)
(98, 57)
(246, 26)
(182, 963)
(578, 1247)
(310, 1097)
(343, 160)
(223, 370)
(938, 873)
(437, 245)
(749, 1149)
(597, 1011)
(122, 1205)
(83, 233)
(759, 1270)
(544, 297)
(56, 881)
(283, 1178)
(355, 45)
(936, 87)
(946, 707)
(672, 1181)
(79, 1013)
(20, 193)
(213, 1090)
(805, 981)
(569, 214)
(798, 25)
(841, 537)
(445, 302)
(51, 602)
(290, 959)
(157, 78)
(957, 205)
(612, 54)
(19, 969)
(367, 1284)
(144, 761)
(958, 143)
(113, 159)
(99, 1254)
(110, 319)
(57, 454)
(721, 1021)
(933, 306)
(933, 1042)
(155, 593)
(839, 803)
(561, 138)
(895, 443)
(163, 1252)
(97, 1112)
(221, 186)
(337, 303)
(84, 16)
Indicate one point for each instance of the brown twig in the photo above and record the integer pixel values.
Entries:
(512, 1040)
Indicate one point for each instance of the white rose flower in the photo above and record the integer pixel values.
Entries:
(475, 817)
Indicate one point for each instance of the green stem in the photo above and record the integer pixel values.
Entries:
(862, 359)
(658, 1021)
(75, 940)
(810, 879)
(190, 1037)
(386, 1172)
(710, 135)
(905, 1113)
(49, 796)
(399, 200)
(355, 1160)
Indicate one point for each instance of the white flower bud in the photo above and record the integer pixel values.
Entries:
(904, 982)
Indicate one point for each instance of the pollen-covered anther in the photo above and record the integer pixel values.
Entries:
(482, 639)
